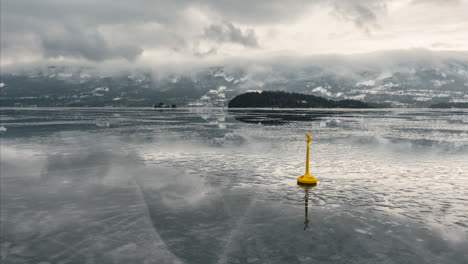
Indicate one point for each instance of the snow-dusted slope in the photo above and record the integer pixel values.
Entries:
(416, 82)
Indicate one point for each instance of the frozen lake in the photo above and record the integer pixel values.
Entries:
(130, 185)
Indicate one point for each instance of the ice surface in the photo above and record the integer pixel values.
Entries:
(129, 185)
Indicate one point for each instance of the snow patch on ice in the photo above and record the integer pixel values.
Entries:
(101, 89)
(361, 231)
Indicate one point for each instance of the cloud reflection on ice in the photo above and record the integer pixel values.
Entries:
(210, 189)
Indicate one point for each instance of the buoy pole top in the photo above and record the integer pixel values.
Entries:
(308, 140)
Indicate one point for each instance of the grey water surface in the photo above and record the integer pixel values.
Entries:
(135, 185)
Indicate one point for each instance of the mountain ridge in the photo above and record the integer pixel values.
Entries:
(419, 81)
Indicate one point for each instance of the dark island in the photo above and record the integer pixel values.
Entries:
(279, 99)
(449, 105)
(162, 105)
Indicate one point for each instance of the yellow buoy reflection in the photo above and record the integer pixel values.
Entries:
(306, 189)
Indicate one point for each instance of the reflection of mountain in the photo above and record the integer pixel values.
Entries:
(213, 126)
(214, 98)
(275, 117)
(450, 105)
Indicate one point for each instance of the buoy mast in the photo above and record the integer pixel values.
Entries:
(307, 178)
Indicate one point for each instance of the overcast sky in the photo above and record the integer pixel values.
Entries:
(166, 31)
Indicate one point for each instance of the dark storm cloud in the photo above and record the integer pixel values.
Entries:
(88, 45)
(363, 13)
(75, 29)
(82, 28)
(259, 11)
(227, 32)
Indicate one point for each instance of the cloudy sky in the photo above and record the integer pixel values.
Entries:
(165, 31)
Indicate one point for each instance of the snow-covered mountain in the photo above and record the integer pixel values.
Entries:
(411, 82)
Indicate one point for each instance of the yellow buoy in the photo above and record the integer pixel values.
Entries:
(307, 178)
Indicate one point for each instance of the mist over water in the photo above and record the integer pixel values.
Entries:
(130, 185)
